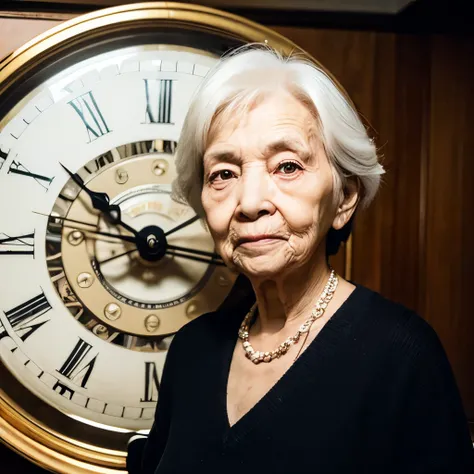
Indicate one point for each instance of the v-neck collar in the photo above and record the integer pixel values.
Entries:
(321, 347)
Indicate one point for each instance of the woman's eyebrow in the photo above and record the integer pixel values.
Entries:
(293, 145)
(221, 156)
(288, 144)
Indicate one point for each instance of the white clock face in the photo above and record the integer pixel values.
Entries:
(86, 314)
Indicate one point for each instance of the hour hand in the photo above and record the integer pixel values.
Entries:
(100, 201)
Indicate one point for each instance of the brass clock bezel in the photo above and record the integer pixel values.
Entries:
(18, 429)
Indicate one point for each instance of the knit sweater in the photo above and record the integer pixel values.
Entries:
(372, 393)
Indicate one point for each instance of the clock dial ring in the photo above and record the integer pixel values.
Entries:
(145, 175)
(39, 61)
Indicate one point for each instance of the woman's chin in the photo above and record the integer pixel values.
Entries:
(263, 266)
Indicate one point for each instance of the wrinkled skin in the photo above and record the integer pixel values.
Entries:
(267, 174)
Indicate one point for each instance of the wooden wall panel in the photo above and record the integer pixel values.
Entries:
(408, 150)
(450, 200)
(413, 243)
(15, 32)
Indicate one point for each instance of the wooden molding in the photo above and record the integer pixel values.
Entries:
(37, 15)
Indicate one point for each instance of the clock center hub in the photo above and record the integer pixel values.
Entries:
(151, 243)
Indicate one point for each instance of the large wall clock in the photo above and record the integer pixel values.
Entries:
(99, 267)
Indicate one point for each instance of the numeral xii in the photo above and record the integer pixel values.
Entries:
(158, 95)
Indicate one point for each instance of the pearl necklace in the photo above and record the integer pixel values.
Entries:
(256, 356)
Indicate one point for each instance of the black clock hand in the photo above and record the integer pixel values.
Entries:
(195, 251)
(210, 261)
(181, 226)
(168, 252)
(126, 238)
(117, 256)
(100, 201)
(180, 251)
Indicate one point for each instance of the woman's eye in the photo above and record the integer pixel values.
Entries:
(289, 167)
(221, 175)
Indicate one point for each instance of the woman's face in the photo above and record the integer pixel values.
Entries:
(268, 188)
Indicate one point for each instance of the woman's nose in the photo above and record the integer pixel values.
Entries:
(255, 193)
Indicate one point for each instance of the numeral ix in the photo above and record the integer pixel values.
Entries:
(18, 245)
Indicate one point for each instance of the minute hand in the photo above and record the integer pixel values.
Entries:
(101, 202)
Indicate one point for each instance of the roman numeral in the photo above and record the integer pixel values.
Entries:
(152, 384)
(3, 156)
(90, 114)
(79, 364)
(19, 245)
(158, 94)
(27, 318)
(17, 168)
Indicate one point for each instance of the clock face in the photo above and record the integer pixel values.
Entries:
(100, 267)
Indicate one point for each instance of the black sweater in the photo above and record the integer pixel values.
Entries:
(373, 393)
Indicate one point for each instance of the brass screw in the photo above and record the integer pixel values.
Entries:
(112, 311)
(85, 280)
(159, 167)
(121, 176)
(152, 323)
(192, 309)
(75, 237)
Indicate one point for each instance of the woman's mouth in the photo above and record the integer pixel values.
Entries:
(253, 241)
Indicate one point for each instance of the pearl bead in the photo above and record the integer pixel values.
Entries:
(256, 356)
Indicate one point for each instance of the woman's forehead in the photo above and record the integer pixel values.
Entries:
(231, 152)
(279, 118)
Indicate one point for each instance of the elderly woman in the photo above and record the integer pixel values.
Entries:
(312, 373)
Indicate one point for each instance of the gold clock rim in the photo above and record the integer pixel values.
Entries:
(176, 14)
(52, 450)
(43, 446)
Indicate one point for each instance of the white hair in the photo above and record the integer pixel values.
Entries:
(248, 74)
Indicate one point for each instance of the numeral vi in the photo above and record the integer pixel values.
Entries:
(79, 364)
(152, 384)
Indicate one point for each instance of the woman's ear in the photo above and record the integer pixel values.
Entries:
(351, 196)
